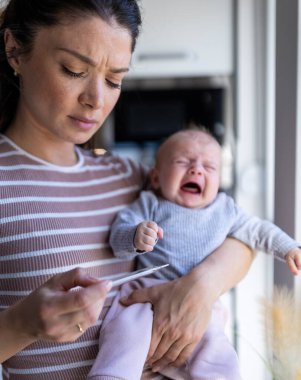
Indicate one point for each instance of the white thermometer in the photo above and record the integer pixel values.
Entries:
(138, 273)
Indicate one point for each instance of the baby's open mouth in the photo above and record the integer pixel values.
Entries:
(192, 187)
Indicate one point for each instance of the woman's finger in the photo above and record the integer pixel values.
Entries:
(176, 355)
(81, 298)
(71, 279)
(63, 299)
(44, 311)
(137, 296)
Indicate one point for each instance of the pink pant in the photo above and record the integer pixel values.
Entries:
(125, 339)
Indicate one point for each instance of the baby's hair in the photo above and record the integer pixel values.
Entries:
(200, 128)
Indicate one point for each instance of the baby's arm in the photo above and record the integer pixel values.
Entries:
(293, 260)
(146, 236)
(123, 229)
(265, 236)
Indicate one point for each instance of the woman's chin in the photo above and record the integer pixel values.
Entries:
(82, 139)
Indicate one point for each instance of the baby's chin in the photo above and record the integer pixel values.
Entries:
(192, 205)
(191, 200)
(189, 203)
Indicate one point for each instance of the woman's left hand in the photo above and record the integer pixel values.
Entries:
(182, 308)
(181, 316)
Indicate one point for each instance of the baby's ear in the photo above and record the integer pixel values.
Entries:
(154, 178)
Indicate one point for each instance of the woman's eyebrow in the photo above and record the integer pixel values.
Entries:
(91, 62)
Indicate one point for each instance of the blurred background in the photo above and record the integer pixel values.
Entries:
(233, 66)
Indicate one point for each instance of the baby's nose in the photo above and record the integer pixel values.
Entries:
(196, 170)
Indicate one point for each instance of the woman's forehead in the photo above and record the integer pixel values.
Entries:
(91, 37)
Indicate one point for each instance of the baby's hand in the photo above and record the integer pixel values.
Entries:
(146, 236)
(293, 260)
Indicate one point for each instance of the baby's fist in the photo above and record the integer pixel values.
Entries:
(146, 236)
(293, 260)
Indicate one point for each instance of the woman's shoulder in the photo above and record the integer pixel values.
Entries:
(10, 155)
(115, 164)
(107, 158)
(103, 157)
(5, 147)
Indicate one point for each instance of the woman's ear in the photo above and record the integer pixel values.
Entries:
(154, 178)
(12, 51)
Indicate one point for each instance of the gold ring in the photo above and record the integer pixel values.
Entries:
(81, 330)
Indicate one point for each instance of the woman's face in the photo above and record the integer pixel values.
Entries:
(71, 80)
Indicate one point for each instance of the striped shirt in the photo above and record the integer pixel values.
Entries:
(54, 219)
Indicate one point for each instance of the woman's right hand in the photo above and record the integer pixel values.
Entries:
(53, 312)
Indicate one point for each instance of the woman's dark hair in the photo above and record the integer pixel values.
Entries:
(25, 17)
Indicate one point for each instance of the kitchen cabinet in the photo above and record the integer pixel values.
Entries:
(184, 38)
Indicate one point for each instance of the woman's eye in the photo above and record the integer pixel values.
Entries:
(72, 73)
(116, 86)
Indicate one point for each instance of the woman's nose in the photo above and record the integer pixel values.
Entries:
(93, 95)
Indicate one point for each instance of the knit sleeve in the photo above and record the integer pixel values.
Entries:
(124, 227)
(261, 234)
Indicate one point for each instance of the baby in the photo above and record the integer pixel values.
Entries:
(196, 219)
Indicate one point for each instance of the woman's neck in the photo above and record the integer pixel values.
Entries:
(54, 152)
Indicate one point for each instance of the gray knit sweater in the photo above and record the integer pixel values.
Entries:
(190, 235)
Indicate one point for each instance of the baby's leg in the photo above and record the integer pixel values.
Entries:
(124, 340)
(214, 357)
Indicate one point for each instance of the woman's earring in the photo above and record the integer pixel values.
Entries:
(15, 73)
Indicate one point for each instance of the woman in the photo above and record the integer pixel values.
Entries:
(63, 62)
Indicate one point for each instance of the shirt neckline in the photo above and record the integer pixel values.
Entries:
(79, 163)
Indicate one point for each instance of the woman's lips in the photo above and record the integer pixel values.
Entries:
(83, 123)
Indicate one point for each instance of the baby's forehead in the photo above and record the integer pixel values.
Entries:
(191, 145)
(189, 141)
